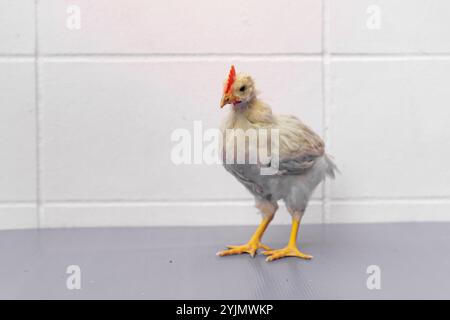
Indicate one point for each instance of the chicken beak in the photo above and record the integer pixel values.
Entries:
(226, 99)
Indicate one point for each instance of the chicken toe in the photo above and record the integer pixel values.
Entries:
(250, 248)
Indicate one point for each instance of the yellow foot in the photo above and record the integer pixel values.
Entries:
(249, 248)
(285, 252)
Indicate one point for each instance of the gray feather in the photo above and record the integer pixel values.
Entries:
(292, 187)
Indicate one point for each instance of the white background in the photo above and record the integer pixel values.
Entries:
(86, 115)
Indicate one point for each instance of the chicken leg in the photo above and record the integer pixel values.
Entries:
(291, 249)
(253, 244)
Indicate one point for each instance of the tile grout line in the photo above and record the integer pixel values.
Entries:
(174, 56)
(219, 202)
(180, 59)
(184, 54)
(325, 103)
(322, 82)
(126, 202)
(39, 206)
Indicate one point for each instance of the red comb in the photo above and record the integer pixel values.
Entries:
(230, 81)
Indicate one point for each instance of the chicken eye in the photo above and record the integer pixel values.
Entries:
(242, 89)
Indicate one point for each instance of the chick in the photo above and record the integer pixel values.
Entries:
(298, 151)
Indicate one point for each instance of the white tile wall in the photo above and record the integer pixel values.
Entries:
(390, 129)
(17, 132)
(173, 26)
(17, 27)
(94, 148)
(17, 144)
(389, 26)
(20, 216)
(117, 214)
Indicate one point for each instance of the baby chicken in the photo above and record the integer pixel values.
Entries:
(298, 152)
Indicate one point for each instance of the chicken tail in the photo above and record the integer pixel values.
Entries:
(331, 166)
